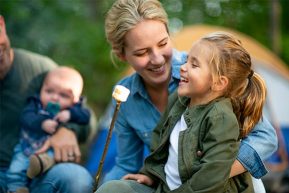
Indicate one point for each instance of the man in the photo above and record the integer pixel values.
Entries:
(21, 74)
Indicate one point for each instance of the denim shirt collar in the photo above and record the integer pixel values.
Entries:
(138, 86)
(178, 59)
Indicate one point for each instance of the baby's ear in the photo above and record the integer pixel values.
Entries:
(221, 84)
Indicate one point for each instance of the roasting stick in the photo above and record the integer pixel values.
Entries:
(120, 94)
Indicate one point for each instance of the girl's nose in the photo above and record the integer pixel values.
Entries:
(183, 68)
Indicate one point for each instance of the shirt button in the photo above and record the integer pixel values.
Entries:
(199, 153)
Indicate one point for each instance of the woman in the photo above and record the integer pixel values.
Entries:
(219, 99)
(138, 33)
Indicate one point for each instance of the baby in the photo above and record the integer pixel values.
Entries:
(58, 105)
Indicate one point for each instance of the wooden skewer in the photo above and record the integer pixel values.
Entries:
(108, 138)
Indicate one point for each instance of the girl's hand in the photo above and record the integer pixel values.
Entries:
(63, 116)
(140, 178)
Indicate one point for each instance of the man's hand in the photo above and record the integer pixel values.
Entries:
(140, 178)
(65, 145)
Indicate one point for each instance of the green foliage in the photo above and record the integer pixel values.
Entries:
(285, 31)
(72, 32)
(251, 17)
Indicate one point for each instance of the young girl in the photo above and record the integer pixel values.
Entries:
(219, 100)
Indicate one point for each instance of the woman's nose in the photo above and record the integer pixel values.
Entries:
(156, 57)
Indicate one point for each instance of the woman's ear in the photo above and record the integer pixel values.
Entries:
(121, 56)
(221, 84)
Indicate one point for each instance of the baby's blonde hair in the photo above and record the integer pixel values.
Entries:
(246, 88)
(70, 79)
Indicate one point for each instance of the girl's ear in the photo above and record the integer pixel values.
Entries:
(221, 84)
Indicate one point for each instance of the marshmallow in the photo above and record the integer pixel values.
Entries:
(120, 93)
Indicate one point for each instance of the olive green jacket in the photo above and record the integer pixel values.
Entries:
(206, 150)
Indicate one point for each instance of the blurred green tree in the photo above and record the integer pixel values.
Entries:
(72, 32)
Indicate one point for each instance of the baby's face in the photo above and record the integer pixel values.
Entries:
(53, 91)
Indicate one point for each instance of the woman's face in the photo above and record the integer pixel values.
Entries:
(148, 50)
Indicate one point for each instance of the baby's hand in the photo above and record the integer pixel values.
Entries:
(49, 126)
(140, 178)
(63, 116)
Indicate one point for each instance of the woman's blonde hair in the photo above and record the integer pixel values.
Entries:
(246, 88)
(125, 15)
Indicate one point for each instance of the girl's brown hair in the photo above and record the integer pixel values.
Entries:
(246, 88)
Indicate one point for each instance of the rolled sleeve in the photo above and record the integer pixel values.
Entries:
(258, 146)
(250, 159)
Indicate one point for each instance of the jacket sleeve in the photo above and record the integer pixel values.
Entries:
(82, 131)
(158, 130)
(31, 118)
(79, 114)
(259, 145)
(218, 150)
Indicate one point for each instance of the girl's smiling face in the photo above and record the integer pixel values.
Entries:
(196, 75)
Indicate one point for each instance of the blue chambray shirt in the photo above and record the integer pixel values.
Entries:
(138, 117)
